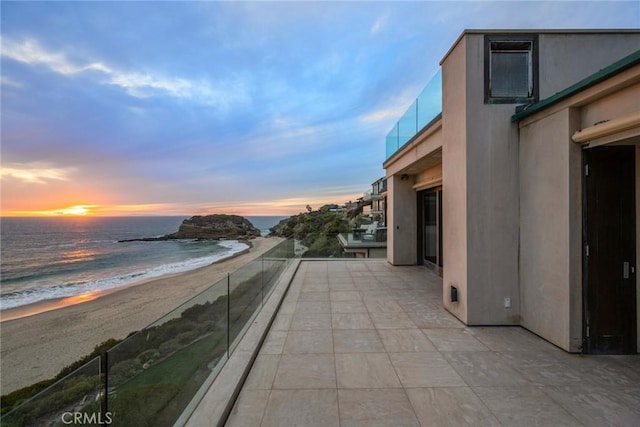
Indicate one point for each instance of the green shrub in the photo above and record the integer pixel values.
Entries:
(149, 356)
(41, 411)
(97, 351)
(187, 336)
(11, 400)
(168, 347)
(124, 370)
(142, 405)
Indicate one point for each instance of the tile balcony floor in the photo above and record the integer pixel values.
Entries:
(363, 343)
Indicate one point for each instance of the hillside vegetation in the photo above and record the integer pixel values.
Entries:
(317, 230)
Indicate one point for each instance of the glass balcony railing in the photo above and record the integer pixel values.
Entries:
(422, 111)
(359, 237)
(154, 374)
(77, 398)
(157, 375)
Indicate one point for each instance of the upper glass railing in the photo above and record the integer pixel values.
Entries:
(422, 111)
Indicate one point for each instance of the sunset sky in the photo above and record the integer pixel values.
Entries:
(184, 108)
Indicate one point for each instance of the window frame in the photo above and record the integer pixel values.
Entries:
(531, 39)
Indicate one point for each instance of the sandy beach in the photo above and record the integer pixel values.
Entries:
(36, 347)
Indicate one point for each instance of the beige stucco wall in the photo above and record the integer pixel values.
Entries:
(568, 58)
(575, 234)
(454, 179)
(492, 200)
(401, 216)
(550, 229)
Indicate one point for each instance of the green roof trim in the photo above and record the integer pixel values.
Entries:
(607, 72)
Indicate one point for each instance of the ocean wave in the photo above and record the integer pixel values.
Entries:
(19, 298)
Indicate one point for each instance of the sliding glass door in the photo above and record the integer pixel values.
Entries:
(430, 226)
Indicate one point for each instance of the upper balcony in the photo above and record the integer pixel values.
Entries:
(426, 107)
(370, 195)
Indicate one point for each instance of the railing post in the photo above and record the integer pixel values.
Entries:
(228, 315)
(262, 279)
(105, 356)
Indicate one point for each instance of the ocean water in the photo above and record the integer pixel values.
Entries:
(264, 223)
(50, 258)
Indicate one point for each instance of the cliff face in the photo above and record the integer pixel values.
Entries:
(217, 226)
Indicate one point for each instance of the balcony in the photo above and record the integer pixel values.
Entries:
(370, 196)
(362, 342)
(339, 342)
(426, 107)
(361, 245)
(367, 242)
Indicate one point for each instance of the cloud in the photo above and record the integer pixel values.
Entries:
(385, 114)
(137, 84)
(279, 206)
(286, 136)
(396, 106)
(6, 81)
(145, 85)
(35, 173)
(377, 26)
(30, 52)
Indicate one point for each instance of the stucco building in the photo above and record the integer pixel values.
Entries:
(515, 175)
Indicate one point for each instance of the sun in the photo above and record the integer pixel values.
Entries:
(77, 210)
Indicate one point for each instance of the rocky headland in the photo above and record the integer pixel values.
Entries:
(210, 227)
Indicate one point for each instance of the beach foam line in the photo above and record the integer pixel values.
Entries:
(20, 298)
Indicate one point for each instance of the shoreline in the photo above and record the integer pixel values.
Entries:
(38, 346)
(40, 307)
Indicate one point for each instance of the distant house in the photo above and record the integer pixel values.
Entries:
(369, 240)
(515, 176)
(373, 201)
(378, 200)
(351, 205)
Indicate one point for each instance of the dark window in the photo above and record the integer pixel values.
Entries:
(511, 75)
